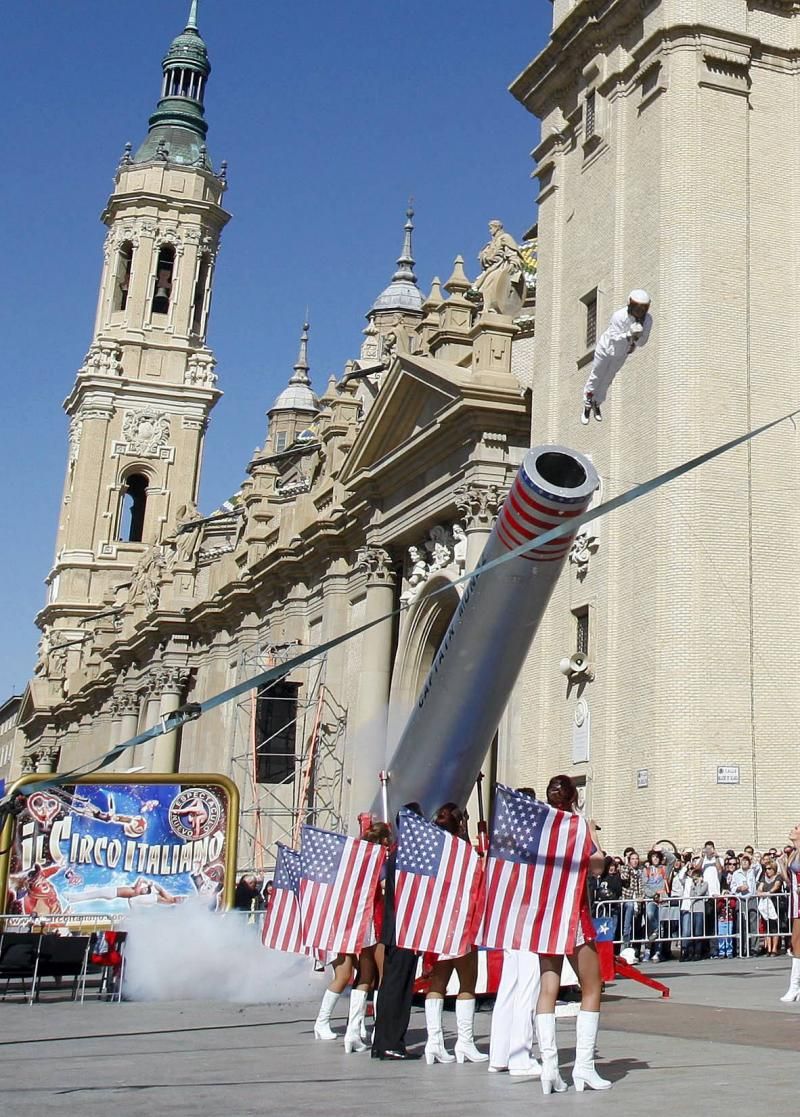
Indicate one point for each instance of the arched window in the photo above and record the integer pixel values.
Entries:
(123, 276)
(200, 294)
(164, 270)
(134, 503)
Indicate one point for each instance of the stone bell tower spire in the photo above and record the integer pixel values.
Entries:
(140, 403)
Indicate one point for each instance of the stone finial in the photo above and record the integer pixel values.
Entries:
(458, 282)
(434, 299)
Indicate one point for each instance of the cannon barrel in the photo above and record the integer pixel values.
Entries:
(441, 750)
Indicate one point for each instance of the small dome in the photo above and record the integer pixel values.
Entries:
(188, 47)
(295, 397)
(399, 295)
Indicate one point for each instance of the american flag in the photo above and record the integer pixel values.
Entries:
(437, 887)
(282, 927)
(338, 878)
(535, 876)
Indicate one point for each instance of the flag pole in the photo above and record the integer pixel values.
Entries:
(383, 776)
(483, 830)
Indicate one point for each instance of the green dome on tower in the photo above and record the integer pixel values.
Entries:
(178, 127)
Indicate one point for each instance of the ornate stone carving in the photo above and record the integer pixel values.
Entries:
(173, 679)
(478, 505)
(127, 702)
(145, 586)
(445, 549)
(200, 370)
(52, 657)
(145, 431)
(583, 547)
(103, 359)
(74, 438)
(501, 285)
(186, 536)
(377, 562)
(28, 764)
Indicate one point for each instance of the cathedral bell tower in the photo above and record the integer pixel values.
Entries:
(139, 408)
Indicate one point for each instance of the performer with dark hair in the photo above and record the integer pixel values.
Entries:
(563, 795)
(397, 982)
(453, 819)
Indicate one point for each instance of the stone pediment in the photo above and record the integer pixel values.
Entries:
(411, 401)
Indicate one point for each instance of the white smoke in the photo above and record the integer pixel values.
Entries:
(189, 953)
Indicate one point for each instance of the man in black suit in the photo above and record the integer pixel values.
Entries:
(397, 984)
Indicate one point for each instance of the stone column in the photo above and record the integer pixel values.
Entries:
(173, 685)
(477, 507)
(47, 758)
(127, 704)
(146, 752)
(374, 678)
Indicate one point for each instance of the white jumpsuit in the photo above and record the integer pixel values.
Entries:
(512, 1022)
(611, 352)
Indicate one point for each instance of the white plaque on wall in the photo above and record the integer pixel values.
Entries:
(580, 732)
(728, 773)
(643, 777)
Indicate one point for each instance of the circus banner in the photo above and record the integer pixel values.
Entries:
(119, 845)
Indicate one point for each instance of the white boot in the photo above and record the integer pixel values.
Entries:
(583, 1073)
(435, 1050)
(352, 1037)
(465, 1044)
(548, 1050)
(322, 1025)
(793, 992)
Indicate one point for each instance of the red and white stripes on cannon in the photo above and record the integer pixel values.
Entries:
(530, 509)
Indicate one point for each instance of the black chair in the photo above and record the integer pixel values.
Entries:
(62, 956)
(19, 960)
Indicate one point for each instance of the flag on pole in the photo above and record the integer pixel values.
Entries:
(437, 888)
(338, 878)
(282, 927)
(535, 875)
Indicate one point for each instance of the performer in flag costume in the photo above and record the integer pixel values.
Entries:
(511, 1038)
(338, 880)
(453, 820)
(563, 795)
(793, 870)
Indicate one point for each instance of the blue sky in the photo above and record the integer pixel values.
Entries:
(330, 115)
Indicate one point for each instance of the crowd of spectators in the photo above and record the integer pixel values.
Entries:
(702, 904)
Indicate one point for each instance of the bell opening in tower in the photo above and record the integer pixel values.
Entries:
(200, 295)
(163, 288)
(124, 263)
(134, 505)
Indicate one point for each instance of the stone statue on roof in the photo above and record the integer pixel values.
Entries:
(501, 284)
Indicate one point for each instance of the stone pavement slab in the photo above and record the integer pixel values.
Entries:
(722, 1044)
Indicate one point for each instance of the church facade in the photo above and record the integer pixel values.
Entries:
(380, 488)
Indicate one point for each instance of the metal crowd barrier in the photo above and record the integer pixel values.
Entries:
(705, 926)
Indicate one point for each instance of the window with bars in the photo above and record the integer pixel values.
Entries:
(582, 630)
(590, 304)
(590, 115)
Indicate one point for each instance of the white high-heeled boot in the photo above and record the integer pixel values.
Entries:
(465, 1044)
(322, 1025)
(583, 1073)
(548, 1050)
(435, 1050)
(352, 1037)
(793, 992)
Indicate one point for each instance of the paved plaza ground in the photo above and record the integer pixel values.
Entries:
(722, 1044)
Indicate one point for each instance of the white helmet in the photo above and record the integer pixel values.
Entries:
(639, 296)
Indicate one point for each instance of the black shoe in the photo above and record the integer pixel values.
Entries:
(395, 1054)
(598, 414)
(586, 414)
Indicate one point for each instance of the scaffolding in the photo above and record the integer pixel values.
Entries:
(281, 790)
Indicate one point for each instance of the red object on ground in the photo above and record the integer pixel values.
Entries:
(624, 969)
(605, 952)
